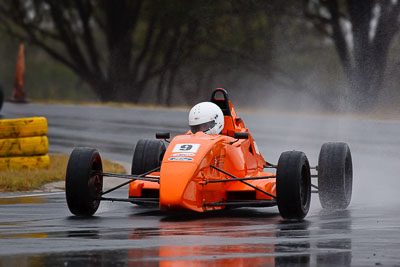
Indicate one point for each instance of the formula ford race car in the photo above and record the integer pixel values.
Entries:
(202, 172)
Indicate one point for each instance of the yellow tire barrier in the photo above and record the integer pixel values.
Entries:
(24, 146)
(18, 163)
(13, 128)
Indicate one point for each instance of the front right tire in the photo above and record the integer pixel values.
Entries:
(83, 181)
(293, 185)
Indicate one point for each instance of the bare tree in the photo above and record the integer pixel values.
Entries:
(362, 32)
(117, 47)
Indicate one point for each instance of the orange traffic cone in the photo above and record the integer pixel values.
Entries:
(19, 92)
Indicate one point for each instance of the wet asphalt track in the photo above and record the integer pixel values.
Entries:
(39, 230)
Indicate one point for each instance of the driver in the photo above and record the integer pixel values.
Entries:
(206, 117)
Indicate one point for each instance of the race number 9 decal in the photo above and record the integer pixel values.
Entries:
(192, 148)
(186, 147)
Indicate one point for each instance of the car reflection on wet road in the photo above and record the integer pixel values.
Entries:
(39, 230)
(42, 231)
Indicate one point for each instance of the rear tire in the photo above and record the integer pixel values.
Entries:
(293, 185)
(82, 186)
(148, 155)
(335, 176)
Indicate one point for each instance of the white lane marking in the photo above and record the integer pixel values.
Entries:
(35, 195)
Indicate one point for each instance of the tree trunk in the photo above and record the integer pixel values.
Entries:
(364, 60)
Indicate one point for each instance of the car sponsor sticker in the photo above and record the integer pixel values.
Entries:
(189, 148)
(183, 154)
(180, 159)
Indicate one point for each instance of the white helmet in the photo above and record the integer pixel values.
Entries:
(206, 117)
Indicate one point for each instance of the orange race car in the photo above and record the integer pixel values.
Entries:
(202, 171)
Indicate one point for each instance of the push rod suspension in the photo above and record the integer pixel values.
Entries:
(127, 176)
(314, 186)
(270, 165)
(246, 183)
(257, 203)
(128, 182)
(239, 179)
(147, 200)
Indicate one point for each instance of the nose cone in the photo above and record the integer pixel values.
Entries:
(177, 189)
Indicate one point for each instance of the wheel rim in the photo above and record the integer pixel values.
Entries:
(348, 173)
(97, 187)
(304, 188)
(95, 183)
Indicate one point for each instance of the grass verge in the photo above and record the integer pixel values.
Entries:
(27, 180)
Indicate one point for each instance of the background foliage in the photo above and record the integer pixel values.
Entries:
(312, 54)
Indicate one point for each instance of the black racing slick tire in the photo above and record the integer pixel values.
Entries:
(293, 185)
(148, 155)
(83, 181)
(335, 176)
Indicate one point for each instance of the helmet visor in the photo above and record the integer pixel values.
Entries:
(204, 127)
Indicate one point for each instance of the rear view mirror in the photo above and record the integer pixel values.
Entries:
(240, 135)
(162, 135)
